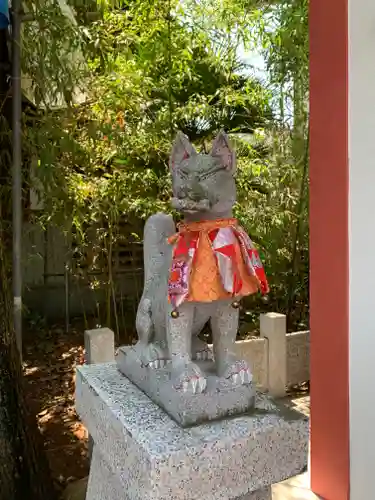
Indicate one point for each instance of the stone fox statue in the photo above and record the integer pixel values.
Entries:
(199, 274)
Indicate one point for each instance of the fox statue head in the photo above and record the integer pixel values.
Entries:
(203, 184)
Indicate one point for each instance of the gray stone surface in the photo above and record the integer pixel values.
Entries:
(99, 348)
(298, 355)
(273, 328)
(99, 345)
(150, 457)
(221, 398)
(105, 485)
(265, 494)
(255, 352)
(103, 482)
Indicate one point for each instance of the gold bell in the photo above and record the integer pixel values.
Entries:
(265, 299)
(236, 304)
(175, 314)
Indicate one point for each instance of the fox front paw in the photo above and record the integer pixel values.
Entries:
(153, 355)
(239, 373)
(190, 379)
(201, 350)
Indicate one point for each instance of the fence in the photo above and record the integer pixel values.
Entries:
(278, 359)
(58, 284)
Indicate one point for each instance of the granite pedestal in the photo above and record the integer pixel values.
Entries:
(140, 453)
(220, 399)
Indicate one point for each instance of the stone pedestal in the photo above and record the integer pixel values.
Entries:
(220, 399)
(140, 453)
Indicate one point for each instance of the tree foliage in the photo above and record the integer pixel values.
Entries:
(278, 30)
(109, 106)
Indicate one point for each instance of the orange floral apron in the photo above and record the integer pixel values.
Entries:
(214, 260)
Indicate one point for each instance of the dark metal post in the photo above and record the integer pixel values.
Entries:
(17, 170)
(67, 292)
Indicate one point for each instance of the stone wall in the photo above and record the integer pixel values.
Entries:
(278, 359)
(255, 351)
(298, 357)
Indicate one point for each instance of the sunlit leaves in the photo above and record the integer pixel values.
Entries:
(148, 69)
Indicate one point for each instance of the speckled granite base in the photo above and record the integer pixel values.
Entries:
(220, 399)
(105, 485)
(265, 494)
(142, 454)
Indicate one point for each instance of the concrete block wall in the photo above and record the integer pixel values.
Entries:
(298, 357)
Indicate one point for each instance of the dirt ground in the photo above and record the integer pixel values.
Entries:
(50, 358)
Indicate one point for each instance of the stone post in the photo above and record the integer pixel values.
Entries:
(273, 328)
(99, 348)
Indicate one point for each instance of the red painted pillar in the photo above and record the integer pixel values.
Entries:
(329, 294)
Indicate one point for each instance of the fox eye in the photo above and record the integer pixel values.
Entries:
(182, 174)
(210, 173)
(203, 177)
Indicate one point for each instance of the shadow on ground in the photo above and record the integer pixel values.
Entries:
(298, 398)
(50, 359)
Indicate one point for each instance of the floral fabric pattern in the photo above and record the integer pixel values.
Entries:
(213, 260)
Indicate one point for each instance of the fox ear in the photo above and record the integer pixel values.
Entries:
(182, 149)
(222, 150)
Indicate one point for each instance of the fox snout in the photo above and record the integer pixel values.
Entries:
(192, 191)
